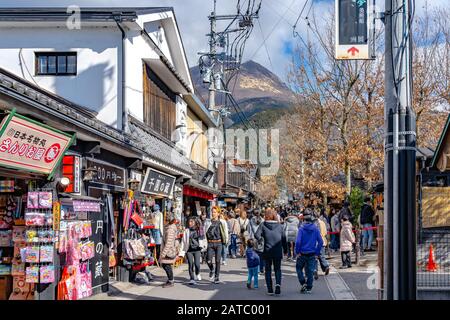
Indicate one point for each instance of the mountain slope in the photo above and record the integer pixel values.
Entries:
(257, 90)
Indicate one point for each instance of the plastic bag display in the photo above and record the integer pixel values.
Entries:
(32, 254)
(46, 254)
(35, 219)
(45, 200)
(33, 200)
(47, 274)
(32, 274)
(87, 250)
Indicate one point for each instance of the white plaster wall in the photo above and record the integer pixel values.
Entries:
(97, 83)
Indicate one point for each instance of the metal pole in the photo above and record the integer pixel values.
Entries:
(400, 243)
(389, 106)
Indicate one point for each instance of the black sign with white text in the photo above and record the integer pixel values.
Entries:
(158, 183)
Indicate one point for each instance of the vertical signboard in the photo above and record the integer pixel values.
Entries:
(352, 30)
(99, 264)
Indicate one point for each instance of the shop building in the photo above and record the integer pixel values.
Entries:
(119, 87)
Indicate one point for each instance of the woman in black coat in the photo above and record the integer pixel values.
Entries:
(272, 233)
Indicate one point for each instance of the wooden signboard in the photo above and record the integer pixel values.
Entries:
(435, 207)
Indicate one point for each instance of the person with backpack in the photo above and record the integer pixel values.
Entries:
(243, 233)
(324, 265)
(217, 236)
(233, 227)
(307, 248)
(253, 226)
(272, 233)
(291, 224)
(190, 247)
(366, 221)
(335, 229)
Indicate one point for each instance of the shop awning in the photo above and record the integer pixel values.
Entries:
(198, 190)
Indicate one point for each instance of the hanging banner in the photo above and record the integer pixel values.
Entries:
(158, 183)
(28, 145)
(352, 30)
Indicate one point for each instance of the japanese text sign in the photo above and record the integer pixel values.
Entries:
(352, 29)
(158, 183)
(107, 174)
(28, 145)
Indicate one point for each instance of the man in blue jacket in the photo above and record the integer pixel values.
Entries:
(307, 248)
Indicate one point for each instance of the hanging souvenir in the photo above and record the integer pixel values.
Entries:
(46, 254)
(45, 200)
(32, 274)
(32, 254)
(47, 274)
(33, 200)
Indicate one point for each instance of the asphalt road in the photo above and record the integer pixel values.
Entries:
(233, 285)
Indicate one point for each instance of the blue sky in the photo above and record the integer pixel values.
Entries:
(271, 44)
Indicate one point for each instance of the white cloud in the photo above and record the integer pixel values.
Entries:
(276, 18)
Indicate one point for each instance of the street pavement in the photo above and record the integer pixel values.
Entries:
(338, 285)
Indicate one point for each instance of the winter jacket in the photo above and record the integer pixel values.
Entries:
(253, 226)
(252, 258)
(367, 214)
(169, 251)
(323, 231)
(291, 228)
(185, 243)
(273, 235)
(309, 240)
(224, 226)
(347, 237)
(335, 223)
(234, 226)
(243, 225)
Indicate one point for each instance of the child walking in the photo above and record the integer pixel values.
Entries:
(347, 242)
(252, 264)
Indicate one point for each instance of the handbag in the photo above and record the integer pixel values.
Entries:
(136, 217)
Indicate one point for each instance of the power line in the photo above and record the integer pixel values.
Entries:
(273, 29)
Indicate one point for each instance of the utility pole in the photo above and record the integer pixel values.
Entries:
(215, 72)
(400, 151)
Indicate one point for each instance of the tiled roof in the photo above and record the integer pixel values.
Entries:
(158, 149)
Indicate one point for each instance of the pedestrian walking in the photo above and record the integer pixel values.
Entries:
(347, 242)
(324, 265)
(216, 234)
(169, 250)
(190, 247)
(366, 221)
(233, 226)
(253, 262)
(307, 248)
(253, 226)
(272, 233)
(291, 224)
(335, 229)
(224, 216)
(243, 232)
